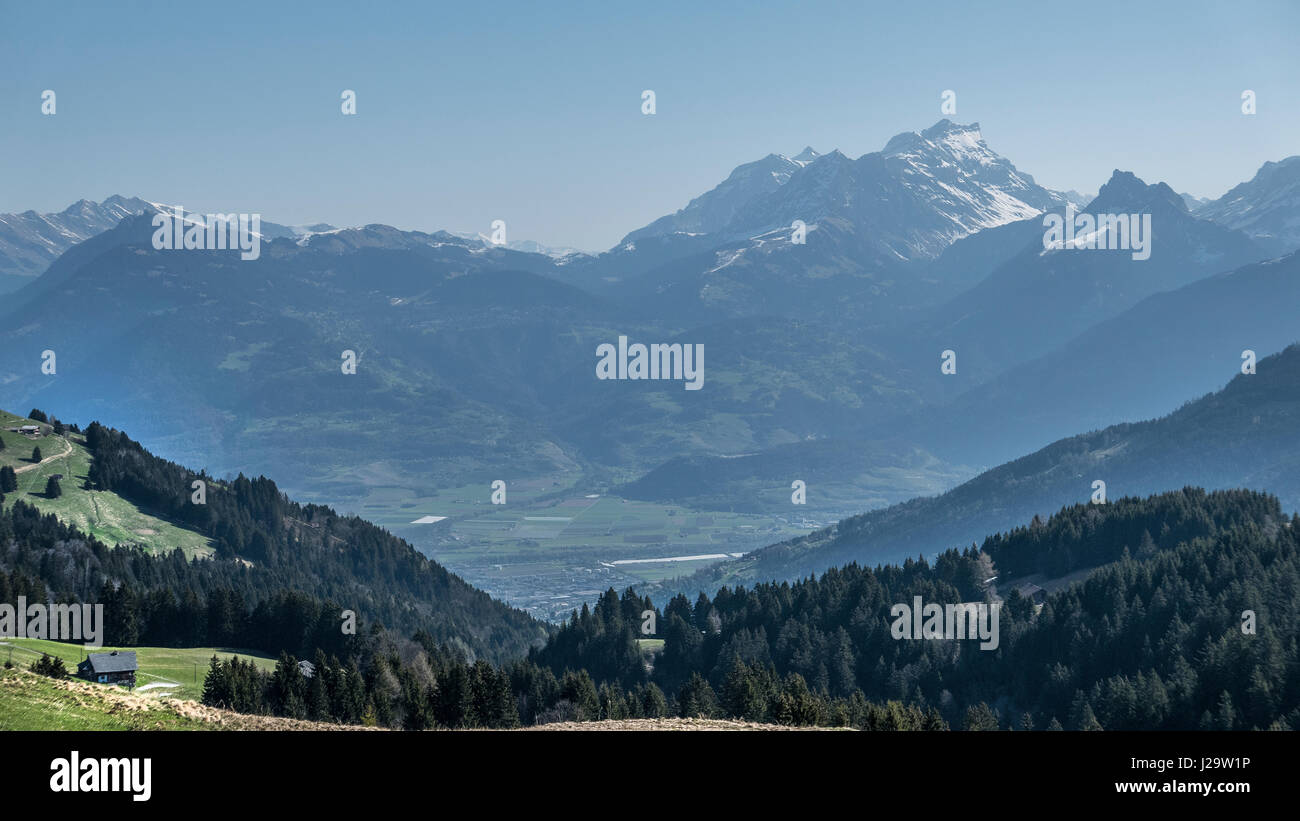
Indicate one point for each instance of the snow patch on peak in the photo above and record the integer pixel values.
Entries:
(947, 127)
(806, 156)
(945, 140)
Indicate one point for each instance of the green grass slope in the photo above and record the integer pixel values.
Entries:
(181, 666)
(102, 514)
(32, 702)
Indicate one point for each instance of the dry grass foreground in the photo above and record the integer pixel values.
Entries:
(678, 724)
(32, 702)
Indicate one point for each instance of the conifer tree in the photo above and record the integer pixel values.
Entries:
(318, 697)
(216, 685)
(697, 699)
(979, 717)
(51, 666)
(653, 703)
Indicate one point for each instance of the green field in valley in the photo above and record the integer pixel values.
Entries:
(174, 671)
(549, 548)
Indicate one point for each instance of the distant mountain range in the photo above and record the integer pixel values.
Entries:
(1240, 437)
(914, 198)
(1267, 207)
(823, 358)
(1171, 347)
(29, 241)
(713, 211)
(1046, 343)
(869, 222)
(201, 350)
(1036, 300)
(1144, 363)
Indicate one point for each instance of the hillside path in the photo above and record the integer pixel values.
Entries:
(67, 448)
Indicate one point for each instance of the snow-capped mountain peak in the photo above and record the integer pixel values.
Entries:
(963, 142)
(29, 241)
(1125, 193)
(712, 211)
(922, 192)
(1265, 207)
(806, 156)
(946, 179)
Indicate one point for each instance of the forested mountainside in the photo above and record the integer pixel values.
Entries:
(305, 560)
(1153, 638)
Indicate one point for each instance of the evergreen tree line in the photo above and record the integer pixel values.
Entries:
(419, 685)
(1152, 640)
(284, 620)
(166, 600)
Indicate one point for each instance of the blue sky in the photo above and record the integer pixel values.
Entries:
(531, 112)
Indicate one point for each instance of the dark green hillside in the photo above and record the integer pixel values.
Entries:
(1152, 639)
(293, 567)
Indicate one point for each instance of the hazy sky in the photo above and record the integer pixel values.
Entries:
(531, 112)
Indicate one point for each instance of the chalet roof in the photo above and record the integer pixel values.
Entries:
(114, 662)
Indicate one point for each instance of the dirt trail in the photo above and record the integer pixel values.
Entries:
(67, 448)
